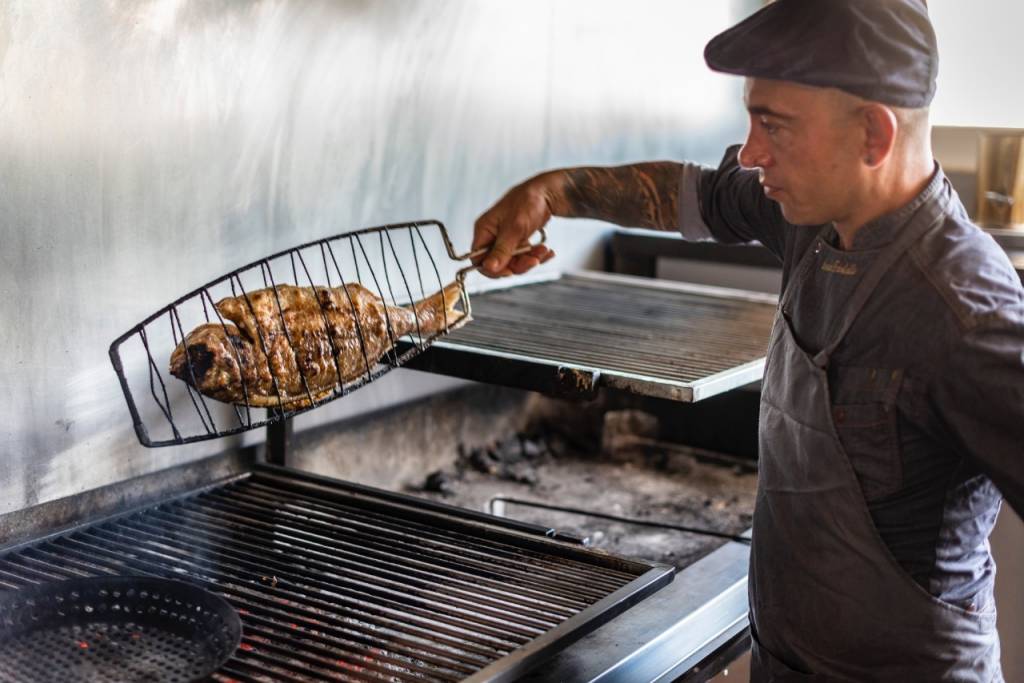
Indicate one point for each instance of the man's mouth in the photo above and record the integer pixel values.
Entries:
(770, 190)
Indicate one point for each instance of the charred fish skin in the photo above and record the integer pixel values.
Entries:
(221, 360)
(293, 343)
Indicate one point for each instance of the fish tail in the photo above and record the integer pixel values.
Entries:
(437, 312)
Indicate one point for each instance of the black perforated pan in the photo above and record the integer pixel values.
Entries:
(115, 628)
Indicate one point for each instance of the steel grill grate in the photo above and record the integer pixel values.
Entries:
(340, 585)
(671, 340)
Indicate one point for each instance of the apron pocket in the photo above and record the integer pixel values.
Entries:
(870, 437)
(865, 418)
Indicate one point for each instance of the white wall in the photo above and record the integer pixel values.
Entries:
(980, 63)
(148, 146)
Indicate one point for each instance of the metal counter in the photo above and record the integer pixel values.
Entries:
(667, 636)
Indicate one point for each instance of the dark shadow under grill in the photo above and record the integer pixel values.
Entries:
(336, 582)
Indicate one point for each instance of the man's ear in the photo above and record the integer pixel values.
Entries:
(880, 126)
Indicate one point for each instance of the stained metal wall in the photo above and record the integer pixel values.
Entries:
(147, 146)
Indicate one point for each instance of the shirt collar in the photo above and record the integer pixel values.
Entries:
(882, 230)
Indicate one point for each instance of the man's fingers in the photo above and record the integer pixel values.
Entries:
(495, 276)
(521, 264)
(536, 256)
(505, 244)
(484, 232)
(507, 226)
(539, 252)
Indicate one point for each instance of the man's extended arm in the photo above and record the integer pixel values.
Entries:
(644, 195)
(726, 204)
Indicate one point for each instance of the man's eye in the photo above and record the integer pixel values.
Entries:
(768, 126)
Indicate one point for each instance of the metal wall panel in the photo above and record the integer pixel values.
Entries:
(147, 146)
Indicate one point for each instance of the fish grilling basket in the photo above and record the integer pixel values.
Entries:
(290, 332)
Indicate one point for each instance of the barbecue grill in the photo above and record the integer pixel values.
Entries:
(338, 581)
(335, 580)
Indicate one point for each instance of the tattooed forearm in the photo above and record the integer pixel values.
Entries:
(642, 195)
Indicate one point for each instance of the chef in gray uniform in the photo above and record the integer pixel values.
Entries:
(892, 409)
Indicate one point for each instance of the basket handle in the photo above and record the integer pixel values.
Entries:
(461, 274)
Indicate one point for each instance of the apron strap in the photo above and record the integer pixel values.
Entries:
(866, 287)
(802, 266)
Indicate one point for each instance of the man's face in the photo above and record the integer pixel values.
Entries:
(806, 146)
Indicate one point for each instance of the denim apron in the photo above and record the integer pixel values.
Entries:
(827, 599)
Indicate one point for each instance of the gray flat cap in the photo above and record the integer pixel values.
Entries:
(881, 50)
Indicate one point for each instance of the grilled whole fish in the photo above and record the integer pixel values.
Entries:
(281, 337)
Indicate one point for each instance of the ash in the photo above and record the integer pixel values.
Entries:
(620, 469)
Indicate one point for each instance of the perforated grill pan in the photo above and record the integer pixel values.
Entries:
(118, 628)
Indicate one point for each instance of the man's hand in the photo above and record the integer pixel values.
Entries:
(507, 226)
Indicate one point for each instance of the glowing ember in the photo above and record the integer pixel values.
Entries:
(348, 666)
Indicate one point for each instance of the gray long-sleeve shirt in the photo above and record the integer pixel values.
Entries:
(927, 387)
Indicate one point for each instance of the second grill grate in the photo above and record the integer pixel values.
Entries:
(574, 334)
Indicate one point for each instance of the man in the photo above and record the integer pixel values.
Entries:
(892, 412)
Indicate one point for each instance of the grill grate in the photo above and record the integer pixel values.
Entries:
(671, 340)
(336, 584)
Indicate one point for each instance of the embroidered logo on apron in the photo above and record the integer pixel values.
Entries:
(839, 267)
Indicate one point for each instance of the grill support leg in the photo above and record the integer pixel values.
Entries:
(279, 434)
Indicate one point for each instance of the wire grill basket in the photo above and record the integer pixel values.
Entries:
(396, 263)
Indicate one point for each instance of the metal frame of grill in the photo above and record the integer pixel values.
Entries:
(570, 335)
(384, 258)
(339, 581)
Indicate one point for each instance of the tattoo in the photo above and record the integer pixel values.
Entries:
(642, 195)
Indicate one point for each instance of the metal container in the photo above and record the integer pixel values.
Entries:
(1001, 180)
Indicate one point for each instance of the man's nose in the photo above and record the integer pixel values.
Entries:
(753, 155)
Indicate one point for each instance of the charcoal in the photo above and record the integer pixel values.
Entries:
(509, 451)
(483, 460)
(440, 482)
(522, 473)
(531, 449)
